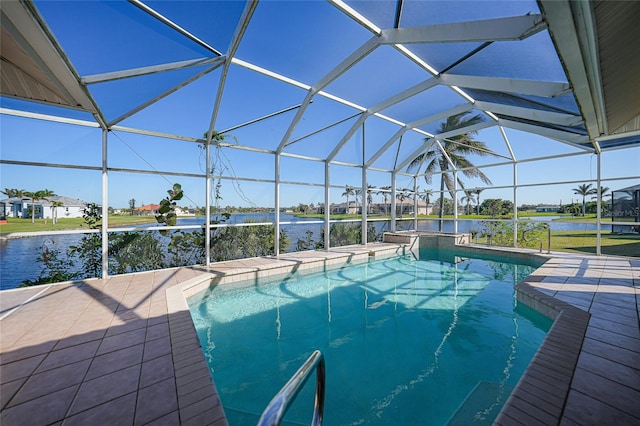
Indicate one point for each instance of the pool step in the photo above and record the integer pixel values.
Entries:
(482, 405)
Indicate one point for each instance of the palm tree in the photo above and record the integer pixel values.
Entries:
(54, 210)
(38, 196)
(370, 191)
(603, 191)
(403, 193)
(384, 191)
(30, 195)
(468, 197)
(11, 192)
(457, 148)
(15, 193)
(426, 197)
(584, 190)
(348, 190)
(477, 191)
(357, 192)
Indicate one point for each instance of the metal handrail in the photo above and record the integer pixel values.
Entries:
(275, 411)
(524, 238)
(546, 225)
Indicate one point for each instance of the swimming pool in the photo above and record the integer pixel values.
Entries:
(430, 340)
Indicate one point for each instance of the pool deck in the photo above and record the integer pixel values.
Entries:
(123, 350)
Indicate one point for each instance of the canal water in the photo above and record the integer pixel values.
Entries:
(18, 256)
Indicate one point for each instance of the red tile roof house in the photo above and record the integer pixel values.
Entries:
(149, 209)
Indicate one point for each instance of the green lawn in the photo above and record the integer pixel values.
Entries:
(25, 225)
(585, 242)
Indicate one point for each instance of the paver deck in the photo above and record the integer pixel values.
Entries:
(123, 350)
(594, 355)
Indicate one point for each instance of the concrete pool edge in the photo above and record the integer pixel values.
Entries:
(191, 371)
(543, 389)
(283, 266)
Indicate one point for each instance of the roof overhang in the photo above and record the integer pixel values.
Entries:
(34, 67)
(597, 42)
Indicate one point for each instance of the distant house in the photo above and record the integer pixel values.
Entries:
(44, 209)
(402, 207)
(183, 211)
(149, 209)
(547, 208)
(342, 208)
(152, 209)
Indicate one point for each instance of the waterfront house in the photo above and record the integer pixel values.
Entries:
(547, 208)
(57, 206)
(148, 209)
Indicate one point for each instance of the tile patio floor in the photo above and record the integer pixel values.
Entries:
(124, 351)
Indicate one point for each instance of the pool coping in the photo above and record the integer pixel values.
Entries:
(543, 389)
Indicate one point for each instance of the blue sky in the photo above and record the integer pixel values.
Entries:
(300, 40)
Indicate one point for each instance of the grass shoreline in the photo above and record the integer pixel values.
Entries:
(64, 224)
(25, 225)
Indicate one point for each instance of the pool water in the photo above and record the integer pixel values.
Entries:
(437, 339)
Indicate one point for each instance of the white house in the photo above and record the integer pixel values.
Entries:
(546, 208)
(44, 209)
(402, 207)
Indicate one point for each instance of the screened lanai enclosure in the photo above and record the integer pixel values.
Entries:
(317, 124)
(625, 207)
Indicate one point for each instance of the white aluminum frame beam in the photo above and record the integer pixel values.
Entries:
(160, 96)
(46, 117)
(173, 25)
(421, 122)
(269, 73)
(233, 46)
(406, 94)
(355, 57)
(356, 16)
(507, 143)
(247, 13)
(153, 69)
(560, 118)
(573, 139)
(445, 135)
(105, 205)
(500, 29)
(546, 89)
(367, 47)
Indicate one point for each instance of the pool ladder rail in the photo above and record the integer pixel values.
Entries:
(277, 408)
(548, 228)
